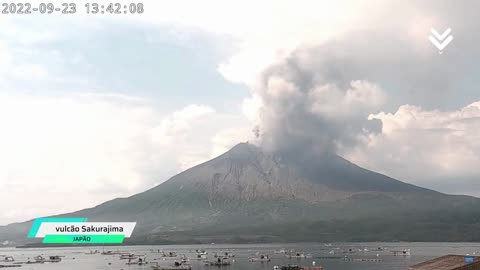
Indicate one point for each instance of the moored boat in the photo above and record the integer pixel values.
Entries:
(261, 258)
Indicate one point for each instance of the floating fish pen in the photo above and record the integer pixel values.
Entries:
(109, 252)
(348, 259)
(129, 256)
(298, 255)
(41, 259)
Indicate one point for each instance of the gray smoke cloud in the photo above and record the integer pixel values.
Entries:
(306, 107)
(320, 97)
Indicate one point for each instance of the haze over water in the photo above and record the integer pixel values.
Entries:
(76, 259)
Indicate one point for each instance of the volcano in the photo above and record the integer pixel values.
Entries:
(249, 195)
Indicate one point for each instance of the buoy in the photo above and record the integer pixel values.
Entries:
(313, 263)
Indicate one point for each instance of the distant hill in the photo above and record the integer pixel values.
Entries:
(247, 195)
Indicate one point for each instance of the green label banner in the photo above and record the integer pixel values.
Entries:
(83, 239)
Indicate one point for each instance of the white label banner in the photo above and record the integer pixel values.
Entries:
(86, 228)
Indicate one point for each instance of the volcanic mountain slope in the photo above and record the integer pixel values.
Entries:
(247, 195)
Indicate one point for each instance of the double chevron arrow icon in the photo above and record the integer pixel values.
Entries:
(440, 40)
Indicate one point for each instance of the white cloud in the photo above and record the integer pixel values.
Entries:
(5, 57)
(12, 70)
(85, 149)
(426, 147)
(265, 31)
(29, 72)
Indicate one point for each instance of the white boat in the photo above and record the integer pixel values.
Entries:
(39, 258)
(5, 258)
(201, 251)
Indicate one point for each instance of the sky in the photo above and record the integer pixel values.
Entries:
(95, 107)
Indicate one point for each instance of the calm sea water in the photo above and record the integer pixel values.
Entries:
(76, 259)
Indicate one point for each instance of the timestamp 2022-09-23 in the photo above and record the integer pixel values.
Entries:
(25, 8)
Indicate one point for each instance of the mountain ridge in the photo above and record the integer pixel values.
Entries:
(246, 191)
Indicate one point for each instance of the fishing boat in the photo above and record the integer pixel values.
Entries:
(109, 252)
(298, 267)
(137, 261)
(176, 266)
(219, 262)
(170, 254)
(5, 258)
(224, 255)
(39, 259)
(404, 252)
(261, 258)
(54, 259)
(298, 255)
(128, 256)
(350, 250)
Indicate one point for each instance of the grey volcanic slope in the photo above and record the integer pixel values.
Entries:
(248, 195)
